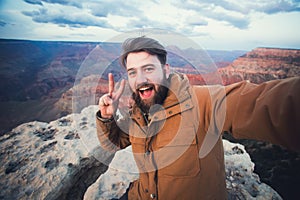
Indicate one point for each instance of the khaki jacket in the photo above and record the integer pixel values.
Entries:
(178, 148)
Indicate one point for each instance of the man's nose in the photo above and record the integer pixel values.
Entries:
(141, 78)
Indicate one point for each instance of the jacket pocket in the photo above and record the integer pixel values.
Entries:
(178, 155)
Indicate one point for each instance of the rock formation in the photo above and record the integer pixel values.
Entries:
(59, 160)
(263, 64)
(50, 160)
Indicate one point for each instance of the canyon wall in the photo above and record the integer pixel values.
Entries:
(263, 64)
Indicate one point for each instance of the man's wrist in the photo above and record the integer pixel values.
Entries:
(105, 120)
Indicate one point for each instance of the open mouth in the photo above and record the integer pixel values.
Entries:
(146, 91)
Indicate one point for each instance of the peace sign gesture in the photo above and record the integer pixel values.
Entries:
(108, 103)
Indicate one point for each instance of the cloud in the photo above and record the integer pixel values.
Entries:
(34, 2)
(264, 6)
(144, 22)
(241, 21)
(120, 8)
(118, 16)
(196, 22)
(181, 16)
(216, 12)
(236, 13)
(90, 13)
(2, 23)
(61, 18)
(75, 3)
(282, 6)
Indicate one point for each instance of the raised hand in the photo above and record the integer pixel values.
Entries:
(108, 103)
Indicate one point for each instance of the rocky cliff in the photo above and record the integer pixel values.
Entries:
(61, 159)
(35, 74)
(263, 64)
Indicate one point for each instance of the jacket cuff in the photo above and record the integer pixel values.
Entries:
(104, 120)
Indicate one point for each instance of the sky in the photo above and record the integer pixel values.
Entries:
(213, 24)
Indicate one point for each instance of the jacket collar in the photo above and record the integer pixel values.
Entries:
(178, 90)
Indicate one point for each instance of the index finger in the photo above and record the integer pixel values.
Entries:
(111, 84)
(120, 91)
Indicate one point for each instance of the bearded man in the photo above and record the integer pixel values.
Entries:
(175, 128)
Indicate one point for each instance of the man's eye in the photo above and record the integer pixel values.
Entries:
(131, 73)
(149, 69)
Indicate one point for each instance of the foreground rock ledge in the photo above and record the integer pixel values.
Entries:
(57, 160)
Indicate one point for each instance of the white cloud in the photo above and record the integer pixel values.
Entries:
(227, 23)
(75, 3)
(119, 8)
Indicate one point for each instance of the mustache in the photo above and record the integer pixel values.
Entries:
(145, 84)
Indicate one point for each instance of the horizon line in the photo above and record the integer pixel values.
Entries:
(83, 41)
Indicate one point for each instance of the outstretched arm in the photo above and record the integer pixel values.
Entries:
(268, 112)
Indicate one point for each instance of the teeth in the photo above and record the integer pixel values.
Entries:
(144, 88)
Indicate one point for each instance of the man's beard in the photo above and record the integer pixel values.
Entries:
(159, 97)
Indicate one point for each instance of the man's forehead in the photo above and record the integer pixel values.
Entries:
(138, 55)
(140, 59)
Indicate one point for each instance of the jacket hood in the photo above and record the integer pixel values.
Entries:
(178, 89)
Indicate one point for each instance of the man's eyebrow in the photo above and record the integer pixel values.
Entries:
(131, 69)
(146, 65)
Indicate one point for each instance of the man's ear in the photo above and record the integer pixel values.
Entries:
(167, 70)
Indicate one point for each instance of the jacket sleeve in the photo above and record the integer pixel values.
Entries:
(269, 111)
(110, 135)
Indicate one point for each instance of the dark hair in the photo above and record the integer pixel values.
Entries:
(143, 43)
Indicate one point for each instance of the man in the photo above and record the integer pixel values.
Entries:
(175, 128)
